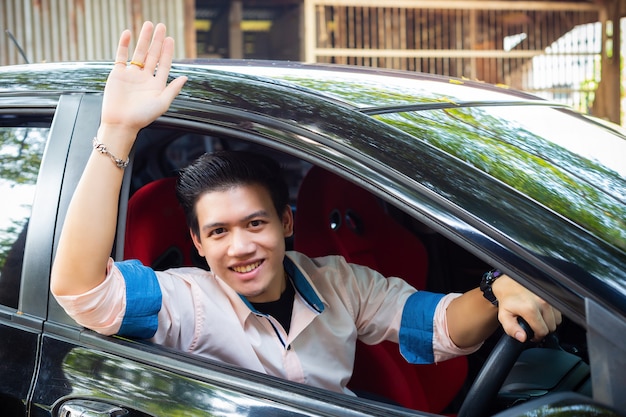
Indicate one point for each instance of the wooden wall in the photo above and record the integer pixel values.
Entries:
(550, 48)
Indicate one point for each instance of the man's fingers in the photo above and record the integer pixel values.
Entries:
(143, 44)
(154, 55)
(553, 318)
(135, 97)
(122, 47)
(165, 60)
(173, 89)
(152, 49)
(532, 317)
(512, 327)
(541, 323)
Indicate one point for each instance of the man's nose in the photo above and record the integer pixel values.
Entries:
(240, 243)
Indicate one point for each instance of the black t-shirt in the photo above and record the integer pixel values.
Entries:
(281, 308)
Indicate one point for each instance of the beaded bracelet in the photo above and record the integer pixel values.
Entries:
(101, 147)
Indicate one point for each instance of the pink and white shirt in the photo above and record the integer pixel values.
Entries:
(335, 304)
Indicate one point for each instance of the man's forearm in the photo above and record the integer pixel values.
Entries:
(471, 319)
(89, 229)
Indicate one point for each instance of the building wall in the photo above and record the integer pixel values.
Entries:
(78, 30)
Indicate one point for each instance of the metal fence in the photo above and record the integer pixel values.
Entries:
(550, 48)
(569, 70)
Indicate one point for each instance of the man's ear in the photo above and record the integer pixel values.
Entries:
(196, 242)
(287, 220)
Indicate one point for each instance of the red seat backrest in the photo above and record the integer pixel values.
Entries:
(334, 216)
(156, 229)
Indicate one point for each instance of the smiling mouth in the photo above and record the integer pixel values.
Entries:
(246, 268)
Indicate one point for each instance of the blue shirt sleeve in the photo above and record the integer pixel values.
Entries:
(416, 327)
(143, 300)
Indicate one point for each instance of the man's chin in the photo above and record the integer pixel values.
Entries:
(259, 296)
(252, 295)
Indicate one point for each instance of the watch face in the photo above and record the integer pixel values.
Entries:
(485, 285)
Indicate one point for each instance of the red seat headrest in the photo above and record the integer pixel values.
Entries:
(336, 217)
(156, 229)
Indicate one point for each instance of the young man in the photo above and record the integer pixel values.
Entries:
(260, 308)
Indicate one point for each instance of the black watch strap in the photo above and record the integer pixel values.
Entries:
(487, 282)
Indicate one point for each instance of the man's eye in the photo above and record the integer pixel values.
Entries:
(216, 232)
(256, 223)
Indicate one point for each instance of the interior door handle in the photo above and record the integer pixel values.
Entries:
(90, 408)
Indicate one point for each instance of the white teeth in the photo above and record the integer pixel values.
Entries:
(246, 268)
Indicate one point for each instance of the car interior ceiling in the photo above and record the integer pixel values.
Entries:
(366, 230)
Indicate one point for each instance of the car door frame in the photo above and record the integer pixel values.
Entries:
(22, 327)
(275, 396)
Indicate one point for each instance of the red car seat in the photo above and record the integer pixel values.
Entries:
(334, 216)
(156, 229)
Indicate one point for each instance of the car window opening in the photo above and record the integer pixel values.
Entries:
(346, 220)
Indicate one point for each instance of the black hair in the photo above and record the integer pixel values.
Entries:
(222, 170)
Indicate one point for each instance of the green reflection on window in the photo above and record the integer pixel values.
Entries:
(586, 191)
(21, 150)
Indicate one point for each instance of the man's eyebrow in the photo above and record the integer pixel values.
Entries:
(259, 213)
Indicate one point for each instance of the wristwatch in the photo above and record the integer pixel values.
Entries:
(487, 282)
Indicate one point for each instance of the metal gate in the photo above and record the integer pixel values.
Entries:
(550, 48)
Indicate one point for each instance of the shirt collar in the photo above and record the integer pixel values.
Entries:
(304, 287)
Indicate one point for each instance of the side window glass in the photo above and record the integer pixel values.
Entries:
(22, 142)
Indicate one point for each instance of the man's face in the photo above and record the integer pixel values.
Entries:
(243, 240)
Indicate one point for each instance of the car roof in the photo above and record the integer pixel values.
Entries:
(457, 139)
(378, 86)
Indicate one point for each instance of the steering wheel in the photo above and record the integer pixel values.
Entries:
(493, 373)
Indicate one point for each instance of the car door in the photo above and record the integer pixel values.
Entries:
(83, 373)
(77, 372)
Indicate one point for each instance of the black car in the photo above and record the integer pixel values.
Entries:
(432, 179)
